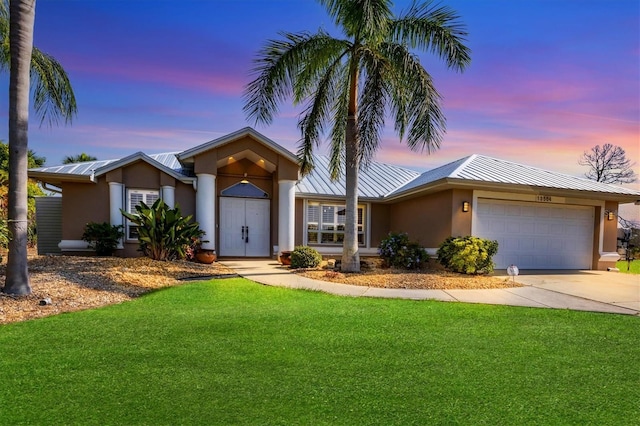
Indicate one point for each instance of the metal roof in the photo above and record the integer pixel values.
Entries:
(376, 181)
(384, 181)
(87, 168)
(480, 168)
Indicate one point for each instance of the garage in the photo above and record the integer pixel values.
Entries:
(537, 235)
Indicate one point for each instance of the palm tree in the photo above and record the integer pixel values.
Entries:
(80, 158)
(351, 84)
(53, 97)
(21, 33)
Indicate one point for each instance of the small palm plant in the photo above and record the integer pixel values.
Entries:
(163, 233)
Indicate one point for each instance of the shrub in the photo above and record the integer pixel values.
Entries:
(4, 234)
(468, 255)
(102, 237)
(305, 257)
(397, 251)
(163, 233)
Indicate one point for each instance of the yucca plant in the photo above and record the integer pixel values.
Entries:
(163, 233)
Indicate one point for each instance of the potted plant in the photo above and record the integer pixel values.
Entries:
(285, 258)
(197, 253)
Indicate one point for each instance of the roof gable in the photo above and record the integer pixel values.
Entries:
(247, 131)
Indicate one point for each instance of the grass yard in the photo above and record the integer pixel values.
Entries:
(233, 352)
(622, 265)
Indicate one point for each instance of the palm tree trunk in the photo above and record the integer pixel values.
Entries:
(350, 253)
(22, 16)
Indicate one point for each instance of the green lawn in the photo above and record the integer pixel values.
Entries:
(622, 265)
(234, 352)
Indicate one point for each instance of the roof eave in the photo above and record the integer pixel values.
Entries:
(140, 156)
(57, 178)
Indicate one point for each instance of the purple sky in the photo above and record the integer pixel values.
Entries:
(548, 80)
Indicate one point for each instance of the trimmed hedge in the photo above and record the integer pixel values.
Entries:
(305, 257)
(468, 255)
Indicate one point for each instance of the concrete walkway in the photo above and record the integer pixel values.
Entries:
(595, 291)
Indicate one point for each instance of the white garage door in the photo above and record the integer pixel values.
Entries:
(537, 236)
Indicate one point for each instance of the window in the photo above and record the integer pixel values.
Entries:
(325, 223)
(134, 197)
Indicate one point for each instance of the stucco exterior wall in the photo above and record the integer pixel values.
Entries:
(461, 221)
(83, 203)
(427, 219)
(380, 216)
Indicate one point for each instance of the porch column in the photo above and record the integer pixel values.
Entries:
(286, 214)
(206, 208)
(116, 202)
(168, 196)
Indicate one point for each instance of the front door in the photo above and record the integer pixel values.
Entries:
(244, 227)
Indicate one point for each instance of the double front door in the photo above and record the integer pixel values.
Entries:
(244, 227)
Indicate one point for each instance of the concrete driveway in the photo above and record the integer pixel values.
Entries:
(613, 288)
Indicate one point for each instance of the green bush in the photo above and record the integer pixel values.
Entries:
(305, 257)
(397, 251)
(102, 237)
(163, 233)
(468, 255)
(4, 234)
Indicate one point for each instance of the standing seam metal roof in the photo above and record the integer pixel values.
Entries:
(382, 180)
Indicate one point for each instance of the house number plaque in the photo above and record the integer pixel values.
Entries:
(543, 198)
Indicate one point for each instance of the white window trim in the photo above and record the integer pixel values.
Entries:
(366, 211)
(145, 193)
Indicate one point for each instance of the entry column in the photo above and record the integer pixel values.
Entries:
(206, 208)
(286, 214)
(116, 202)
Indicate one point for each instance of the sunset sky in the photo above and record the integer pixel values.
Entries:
(548, 80)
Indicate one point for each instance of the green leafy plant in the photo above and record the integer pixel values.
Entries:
(399, 252)
(163, 233)
(305, 257)
(468, 255)
(102, 237)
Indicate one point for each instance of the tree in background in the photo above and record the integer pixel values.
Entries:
(351, 84)
(23, 14)
(33, 190)
(608, 164)
(80, 158)
(53, 97)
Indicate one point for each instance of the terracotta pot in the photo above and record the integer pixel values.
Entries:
(206, 256)
(285, 258)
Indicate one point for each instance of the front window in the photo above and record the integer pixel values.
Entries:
(134, 198)
(326, 221)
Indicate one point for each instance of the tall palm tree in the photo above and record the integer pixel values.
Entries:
(351, 84)
(53, 97)
(21, 33)
(80, 158)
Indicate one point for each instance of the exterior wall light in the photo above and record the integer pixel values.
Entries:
(465, 206)
(610, 215)
(244, 180)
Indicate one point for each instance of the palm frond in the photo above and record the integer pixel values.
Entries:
(280, 65)
(415, 102)
(361, 19)
(339, 130)
(435, 29)
(373, 99)
(53, 95)
(317, 114)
